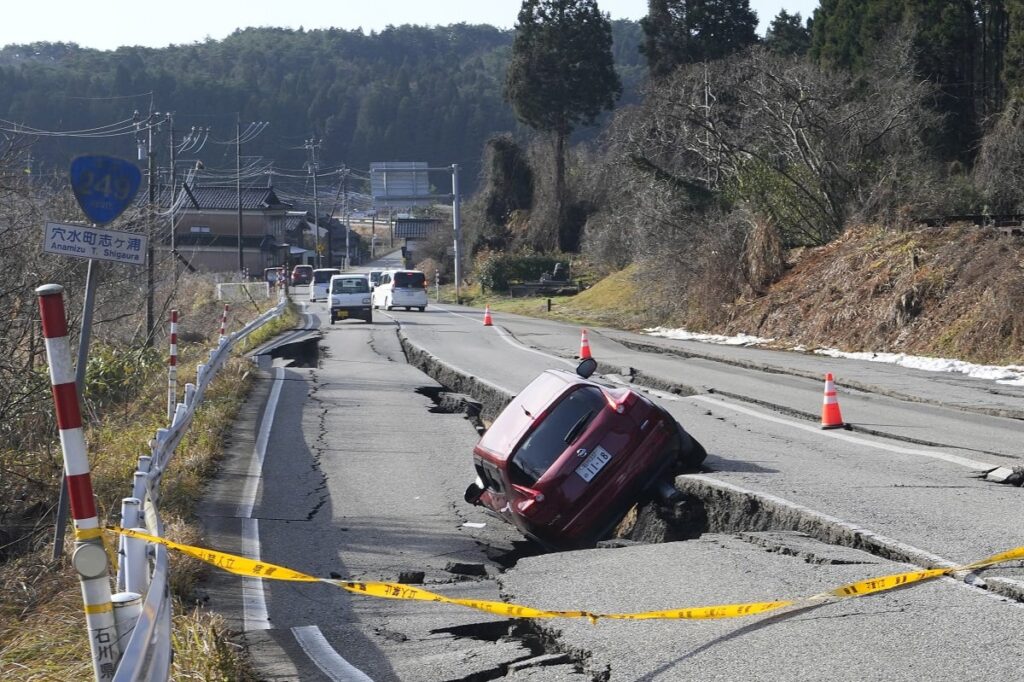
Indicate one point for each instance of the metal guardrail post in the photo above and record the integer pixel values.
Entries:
(90, 557)
(172, 368)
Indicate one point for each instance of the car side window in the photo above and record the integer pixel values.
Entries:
(542, 446)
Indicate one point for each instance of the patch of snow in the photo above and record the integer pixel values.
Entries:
(1009, 375)
(683, 335)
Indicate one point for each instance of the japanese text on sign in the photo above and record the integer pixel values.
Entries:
(82, 241)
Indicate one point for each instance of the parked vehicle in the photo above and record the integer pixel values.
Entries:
(320, 281)
(568, 457)
(272, 275)
(401, 289)
(350, 297)
(302, 274)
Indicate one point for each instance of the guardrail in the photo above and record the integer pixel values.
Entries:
(143, 604)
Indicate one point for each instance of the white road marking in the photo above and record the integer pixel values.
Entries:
(259, 452)
(849, 438)
(319, 650)
(254, 601)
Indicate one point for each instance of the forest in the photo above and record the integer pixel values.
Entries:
(406, 93)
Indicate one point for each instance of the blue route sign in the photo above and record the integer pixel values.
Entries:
(104, 186)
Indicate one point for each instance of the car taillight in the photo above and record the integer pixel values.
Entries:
(528, 505)
(620, 404)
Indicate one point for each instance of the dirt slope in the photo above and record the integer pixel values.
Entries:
(951, 292)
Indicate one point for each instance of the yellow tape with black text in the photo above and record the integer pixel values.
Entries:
(386, 590)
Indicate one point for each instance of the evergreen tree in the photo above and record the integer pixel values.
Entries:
(1013, 68)
(846, 32)
(561, 75)
(787, 35)
(686, 31)
(665, 37)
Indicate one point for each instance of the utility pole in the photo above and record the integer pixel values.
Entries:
(238, 190)
(150, 279)
(457, 225)
(174, 249)
(344, 213)
(312, 145)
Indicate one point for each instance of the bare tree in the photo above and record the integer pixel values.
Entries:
(797, 143)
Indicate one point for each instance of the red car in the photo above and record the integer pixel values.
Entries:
(568, 457)
(302, 274)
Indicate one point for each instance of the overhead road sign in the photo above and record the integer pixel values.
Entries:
(83, 241)
(400, 184)
(104, 186)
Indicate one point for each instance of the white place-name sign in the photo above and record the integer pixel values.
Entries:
(82, 241)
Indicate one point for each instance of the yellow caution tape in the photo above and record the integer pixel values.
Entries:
(385, 590)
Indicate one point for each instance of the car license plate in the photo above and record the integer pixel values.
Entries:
(340, 314)
(594, 462)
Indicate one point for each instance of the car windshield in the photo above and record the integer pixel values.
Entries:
(350, 285)
(323, 276)
(548, 440)
(409, 280)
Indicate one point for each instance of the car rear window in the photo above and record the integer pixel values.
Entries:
(351, 285)
(409, 280)
(323, 276)
(542, 446)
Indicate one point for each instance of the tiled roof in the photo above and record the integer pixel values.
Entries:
(266, 242)
(416, 227)
(226, 197)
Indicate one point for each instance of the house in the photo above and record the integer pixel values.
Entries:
(206, 229)
(415, 232)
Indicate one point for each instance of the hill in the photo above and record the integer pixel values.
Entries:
(407, 92)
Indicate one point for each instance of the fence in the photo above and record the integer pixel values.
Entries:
(143, 567)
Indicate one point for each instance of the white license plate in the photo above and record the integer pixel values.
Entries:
(594, 462)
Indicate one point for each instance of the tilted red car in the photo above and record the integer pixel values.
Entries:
(568, 457)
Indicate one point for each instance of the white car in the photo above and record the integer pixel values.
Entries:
(350, 298)
(401, 289)
(321, 280)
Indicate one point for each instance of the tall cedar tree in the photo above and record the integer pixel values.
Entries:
(561, 75)
(1013, 68)
(686, 31)
(845, 32)
(787, 35)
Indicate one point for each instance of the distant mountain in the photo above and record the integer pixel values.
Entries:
(405, 93)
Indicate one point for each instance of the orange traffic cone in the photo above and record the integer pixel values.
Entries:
(830, 416)
(487, 316)
(584, 346)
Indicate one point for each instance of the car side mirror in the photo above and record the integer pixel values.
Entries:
(474, 492)
(586, 368)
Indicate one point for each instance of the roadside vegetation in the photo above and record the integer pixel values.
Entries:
(42, 626)
(837, 183)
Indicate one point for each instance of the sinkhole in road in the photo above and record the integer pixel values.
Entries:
(305, 353)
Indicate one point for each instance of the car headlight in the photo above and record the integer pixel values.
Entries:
(366, 301)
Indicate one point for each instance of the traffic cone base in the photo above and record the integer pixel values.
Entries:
(487, 317)
(584, 346)
(831, 418)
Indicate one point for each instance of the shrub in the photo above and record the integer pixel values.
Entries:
(496, 271)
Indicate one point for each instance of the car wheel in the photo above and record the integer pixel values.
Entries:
(691, 452)
(422, 308)
(332, 319)
(408, 308)
(369, 318)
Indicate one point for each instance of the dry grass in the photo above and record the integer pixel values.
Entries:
(42, 629)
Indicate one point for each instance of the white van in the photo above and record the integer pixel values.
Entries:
(349, 297)
(321, 280)
(401, 289)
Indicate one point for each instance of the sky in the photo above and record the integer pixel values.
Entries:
(108, 24)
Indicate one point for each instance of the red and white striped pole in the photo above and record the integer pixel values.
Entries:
(172, 369)
(224, 321)
(90, 557)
